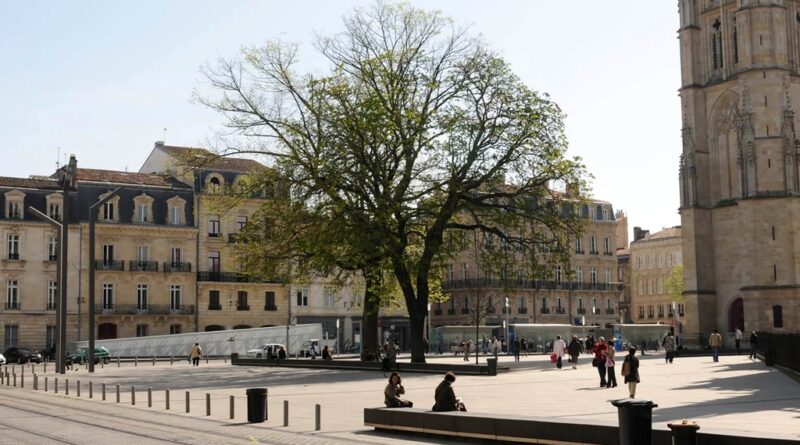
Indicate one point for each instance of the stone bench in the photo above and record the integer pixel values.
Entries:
(495, 428)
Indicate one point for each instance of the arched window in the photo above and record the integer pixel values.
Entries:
(735, 43)
(716, 45)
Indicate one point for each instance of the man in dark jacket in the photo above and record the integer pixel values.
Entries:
(753, 345)
(445, 396)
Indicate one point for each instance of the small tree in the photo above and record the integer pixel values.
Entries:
(674, 283)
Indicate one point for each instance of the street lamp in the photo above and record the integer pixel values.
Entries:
(508, 340)
(338, 342)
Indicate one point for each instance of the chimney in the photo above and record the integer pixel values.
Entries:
(159, 143)
(638, 233)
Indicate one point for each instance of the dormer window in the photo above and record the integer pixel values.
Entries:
(54, 211)
(14, 211)
(176, 209)
(15, 202)
(108, 211)
(214, 183)
(143, 206)
(141, 213)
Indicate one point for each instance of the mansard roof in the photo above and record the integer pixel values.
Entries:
(29, 183)
(119, 177)
(202, 158)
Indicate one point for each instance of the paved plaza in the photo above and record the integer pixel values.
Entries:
(734, 395)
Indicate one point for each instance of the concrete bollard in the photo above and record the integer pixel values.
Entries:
(285, 413)
(133, 395)
(684, 433)
(317, 417)
(187, 401)
(208, 404)
(149, 397)
(103, 390)
(91, 392)
(231, 406)
(117, 393)
(166, 399)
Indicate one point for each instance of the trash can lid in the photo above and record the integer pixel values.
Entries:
(633, 402)
(256, 390)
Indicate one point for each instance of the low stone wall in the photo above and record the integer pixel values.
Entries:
(434, 368)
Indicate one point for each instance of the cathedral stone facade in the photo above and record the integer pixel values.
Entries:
(739, 190)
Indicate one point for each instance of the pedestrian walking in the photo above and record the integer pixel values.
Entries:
(195, 355)
(630, 370)
(669, 347)
(485, 345)
(715, 342)
(753, 345)
(467, 347)
(517, 347)
(600, 353)
(523, 344)
(495, 346)
(737, 338)
(574, 350)
(611, 376)
(559, 348)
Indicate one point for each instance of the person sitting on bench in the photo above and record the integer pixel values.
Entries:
(394, 389)
(445, 397)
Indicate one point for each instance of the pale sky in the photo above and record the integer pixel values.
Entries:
(103, 79)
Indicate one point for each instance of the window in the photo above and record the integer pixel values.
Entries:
(174, 329)
(108, 211)
(605, 215)
(142, 291)
(608, 275)
(659, 288)
(141, 212)
(641, 311)
(52, 248)
(735, 43)
(214, 184)
(241, 301)
(52, 295)
(50, 336)
(141, 330)
(213, 262)
(716, 45)
(175, 218)
(647, 262)
(593, 276)
(213, 300)
(660, 311)
(269, 301)
(175, 256)
(108, 254)
(12, 246)
(544, 304)
(14, 210)
(142, 253)
(606, 246)
(521, 303)
(580, 304)
(330, 297)
(12, 294)
(11, 332)
(579, 276)
(175, 297)
(608, 304)
(54, 211)
(558, 274)
(558, 304)
(450, 273)
(302, 297)
(650, 311)
(214, 227)
(777, 316)
(108, 296)
(671, 310)
(649, 287)
(593, 245)
(579, 245)
(465, 306)
(638, 262)
(681, 309)
(241, 221)
(641, 287)
(464, 271)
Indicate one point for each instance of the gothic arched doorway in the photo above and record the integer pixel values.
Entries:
(736, 315)
(106, 331)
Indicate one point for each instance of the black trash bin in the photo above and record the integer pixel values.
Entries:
(492, 362)
(256, 405)
(635, 421)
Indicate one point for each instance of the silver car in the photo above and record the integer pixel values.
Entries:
(268, 350)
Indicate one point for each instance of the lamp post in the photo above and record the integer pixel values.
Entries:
(338, 343)
(92, 220)
(508, 340)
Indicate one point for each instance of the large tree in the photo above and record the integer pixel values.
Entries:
(417, 130)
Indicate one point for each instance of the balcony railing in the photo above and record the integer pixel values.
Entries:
(177, 267)
(579, 252)
(465, 310)
(513, 283)
(608, 253)
(109, 265)
(12, 305)
(150, 309)
(451, 312)
(228, 277)
(143, 266)
(651, 316)
(641, 316)
(561, 310)
(581, 310)
(609, 311)
(214, 307)
(214, 235)
(51, 306)
(593, 252)
(522, 310)
(270, 307)
(15, 214)
(13, 256)
(52, 258)
(490, 310)
(544, 310)
(242, 307)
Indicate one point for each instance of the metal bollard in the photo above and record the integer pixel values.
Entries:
(102, 364)
(135, 361)
(35, 382)
(117, 361)
(684, 433)
(154, 360)
(231, 407)
(285, 413)
(208, 404)
(149, 397)
(66, 386)
(22, 381)
(117, 393)
(166, 399)
(103, 390)
(2, 378)
(45, 367)
(55, 385)
(171, 359)
(15, 380)
(133, 395)
(224, 358)
(187, 401)
(45, 384)
(206, 359)
(91, 392)
(78, 389)
(317, 417)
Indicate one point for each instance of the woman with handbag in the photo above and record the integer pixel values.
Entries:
(574, 350)
(394, 389)
(600, 352)
(630, 370)
(611, 380)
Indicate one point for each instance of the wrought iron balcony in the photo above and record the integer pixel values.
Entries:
(177, 267)
(52, 258)
(229, 277)
(451, 312)
(513, 283)
(109, 265)
(581, 310)
(609, 311)
(522, 310)
(214, 307)
(242, 307)
(561, 310)
(214, 235)
(490, 309)
(13, 256)
(437, 312)
(51, 306)
(465, 310)
(15, 214)
(149, 309)
(270, 307)
(143, 266)
(544, 310)
(593, 252)
(12, 305)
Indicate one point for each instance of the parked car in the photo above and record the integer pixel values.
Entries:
(268, 350)
(100, 353)
(22, 355)
(2, 359)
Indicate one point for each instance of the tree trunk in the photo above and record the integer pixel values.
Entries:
(369, 324)
(417, 334)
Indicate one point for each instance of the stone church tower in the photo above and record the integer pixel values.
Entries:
(739, 189)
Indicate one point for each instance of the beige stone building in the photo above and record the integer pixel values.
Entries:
(652, 259)
(589, 295)
(740, 195)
